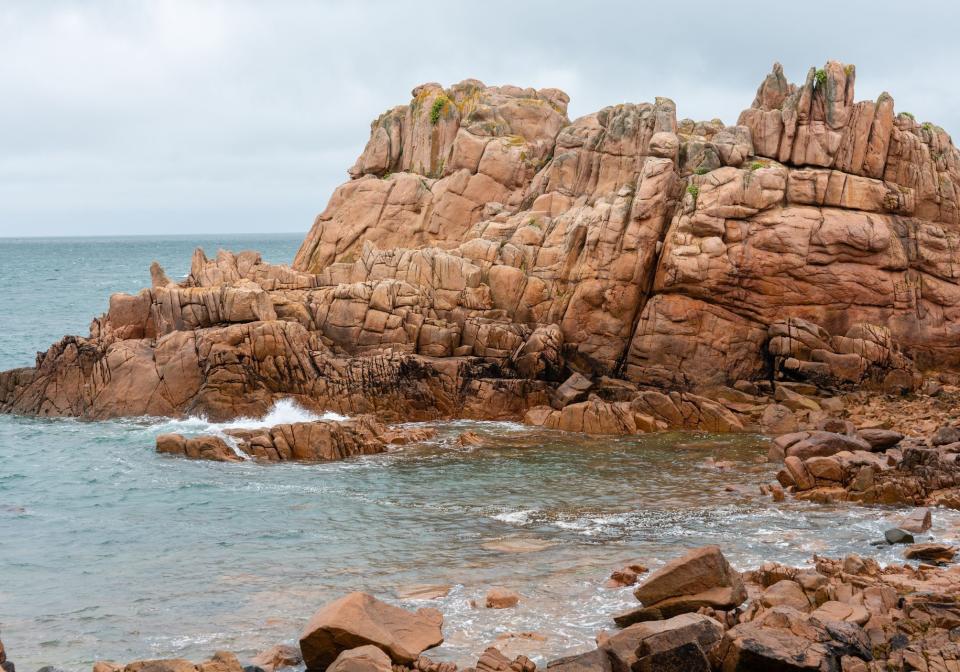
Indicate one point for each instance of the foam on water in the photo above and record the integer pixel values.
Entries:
(284, 411)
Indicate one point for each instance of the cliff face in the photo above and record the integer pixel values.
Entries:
(486, 247)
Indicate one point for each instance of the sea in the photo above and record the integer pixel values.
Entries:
(110, 551)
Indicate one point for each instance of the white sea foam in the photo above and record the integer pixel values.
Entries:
(285, 411)
(515, 517)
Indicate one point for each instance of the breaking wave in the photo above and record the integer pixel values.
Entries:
(284, 411)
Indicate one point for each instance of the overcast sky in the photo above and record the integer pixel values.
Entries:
(194, 116)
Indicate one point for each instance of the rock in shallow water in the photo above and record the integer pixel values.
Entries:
(702, 577)
(501, 598)
(358, 619)
(898, 536)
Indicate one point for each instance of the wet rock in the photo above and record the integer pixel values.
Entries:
(799, 475)
(320, 440)
(366, 658)
(932, 553)
(626, 575)
(466, 439)
(917, 521)
(359, 619)
(501, 598)
(702, 577)
(197, 448)
(106, 666)
(898, 536)
(277, 657)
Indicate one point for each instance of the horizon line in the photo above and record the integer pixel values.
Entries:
(150, 235)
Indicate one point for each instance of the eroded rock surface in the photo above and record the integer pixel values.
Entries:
(487, 249)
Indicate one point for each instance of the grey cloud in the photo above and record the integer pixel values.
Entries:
(217, 116)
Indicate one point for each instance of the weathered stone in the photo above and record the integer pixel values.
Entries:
(917, 521)
(367, 658)
(277, 657)
(359, 619)
(592, 661)
(702, 577)
(935, 553)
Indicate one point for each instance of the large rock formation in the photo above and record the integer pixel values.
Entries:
(314, 441)
(486, 248)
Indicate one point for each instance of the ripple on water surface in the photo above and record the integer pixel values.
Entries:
(112, 551)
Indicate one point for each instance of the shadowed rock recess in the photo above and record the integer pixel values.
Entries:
(491, 259)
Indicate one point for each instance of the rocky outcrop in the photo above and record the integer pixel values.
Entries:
(486, 249)
(318, 440)
(874, 465)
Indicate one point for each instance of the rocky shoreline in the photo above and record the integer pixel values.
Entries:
(697, 614)
(621, 273)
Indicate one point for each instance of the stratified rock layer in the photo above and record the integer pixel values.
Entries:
(487, 248)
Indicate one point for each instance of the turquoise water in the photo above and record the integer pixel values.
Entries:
(108, 550)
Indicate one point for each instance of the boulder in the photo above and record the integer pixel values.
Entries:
(197, 448)
(646, 646)
(359, 619)
(785, 593)
(932, 553)
(778, 419)
(917, 521)
(898, 536)
(367, 658)
(702, 577)
(823, 444)
(572, 390)
(880, 439)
